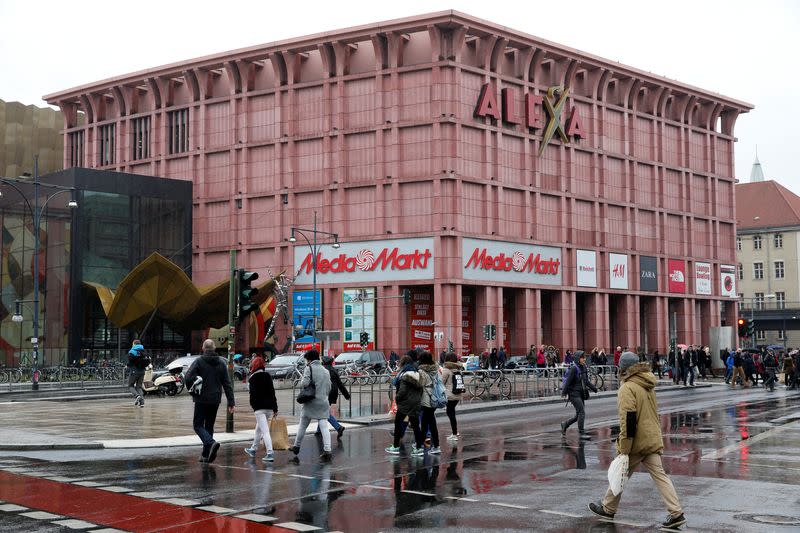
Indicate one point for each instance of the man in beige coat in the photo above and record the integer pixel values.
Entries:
(640, 438)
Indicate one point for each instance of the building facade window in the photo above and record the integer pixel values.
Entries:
(778, 240)
(140, 135)
(178, 131)
(739, 271)
(75, 147)
(758, 270)
(738, 244)
(780, 300)
(779, 271)
(107, 144)
(761, 335)
(757, 242)
(758, 302)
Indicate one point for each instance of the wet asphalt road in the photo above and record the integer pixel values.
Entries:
(733, 457)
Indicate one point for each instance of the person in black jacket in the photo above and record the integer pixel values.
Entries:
(137, 364)
(576, 388)
(211, 371)
(409, 400)
(333, 397)
(262, 400)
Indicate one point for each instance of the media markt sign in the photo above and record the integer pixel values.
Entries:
(484, 260)
(359, 262)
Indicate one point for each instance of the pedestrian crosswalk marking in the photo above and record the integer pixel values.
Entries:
(378, 487)
(74, 524)
(297, 526)
(418, 492)
(560, 513)
(41, 515)
(11, 508)
(511, 505)
(181, 502)
(217, 509)
(254, 517)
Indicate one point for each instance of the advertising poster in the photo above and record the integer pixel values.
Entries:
(618, 271)
(358, 315)
(420, 319)
(727, 281)
(648, 273)
(303, 319)
(702, 278)
(587, 268)
(676, 274)
(467, 323)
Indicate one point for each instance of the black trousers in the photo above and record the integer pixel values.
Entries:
(400, 428)
(451, 414)
(580, 414)
(205, 414)
(429, 424)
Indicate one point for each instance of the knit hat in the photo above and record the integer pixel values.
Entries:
(627, 360)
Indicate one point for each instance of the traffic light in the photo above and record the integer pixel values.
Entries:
(486, 332)
(246, 292)
(742, 327)
(492, 332)
(364, 338)
(751, 327)
(406, 296)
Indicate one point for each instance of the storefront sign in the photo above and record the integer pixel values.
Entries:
(676, 274)
(303, 318)
(484, 260)
(618, 271)
(420, 319)
(365, 261)
(648, 273)
(567, 125)
(702, 278)
(359, 315)
(727, 281)
(587, 268)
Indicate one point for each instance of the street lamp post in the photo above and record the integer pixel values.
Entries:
(313, 246)
(36, 215)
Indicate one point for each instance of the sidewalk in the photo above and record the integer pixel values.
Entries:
(166, 422)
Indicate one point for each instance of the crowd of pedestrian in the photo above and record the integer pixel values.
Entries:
(747, 368)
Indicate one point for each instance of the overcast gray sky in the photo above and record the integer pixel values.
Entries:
(743, 49)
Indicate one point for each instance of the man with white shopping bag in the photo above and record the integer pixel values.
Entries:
(640, 439)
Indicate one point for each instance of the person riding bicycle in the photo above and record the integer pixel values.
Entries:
(576, 388)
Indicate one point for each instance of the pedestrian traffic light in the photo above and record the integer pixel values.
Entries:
(742, 328)
(751, 327)
(406, 296)
(492, 332)
(246, 292)
(364, 338)
(486, 332)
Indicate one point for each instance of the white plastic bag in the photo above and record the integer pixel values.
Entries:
(617, 474)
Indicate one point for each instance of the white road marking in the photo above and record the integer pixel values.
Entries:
(337, 481)
(461, 499)
(41, 515)
(88, 484)
(11, 508)
(510, 505)
(217, 509)
(749, 442)
(74, 524)
(113, 488)
(253, 517)
(375, 487)
(560, 513)
(109, 530)
(418, 492)
(61, 479)
(297, 526)
(181, 502)
(302, 476)
(150, 495)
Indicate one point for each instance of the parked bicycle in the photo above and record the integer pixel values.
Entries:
(483, 382)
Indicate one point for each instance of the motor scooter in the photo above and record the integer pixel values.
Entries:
(165, 383)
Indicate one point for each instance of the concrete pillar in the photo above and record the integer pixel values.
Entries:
(628, 321)
(527, 318)
(392, 315)
(488, 310)
(564, 320)
(596, 321)
(447, 315)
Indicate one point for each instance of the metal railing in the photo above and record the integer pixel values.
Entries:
(62, 377)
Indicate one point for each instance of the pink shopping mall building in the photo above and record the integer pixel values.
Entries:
(503, 179)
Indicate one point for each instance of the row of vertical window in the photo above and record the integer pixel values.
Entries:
(777, 242)
(758, 270)
(177, 139)
(759, 301)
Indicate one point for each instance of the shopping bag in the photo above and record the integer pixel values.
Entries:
(392, 409)
(618, 473)
(278, 433)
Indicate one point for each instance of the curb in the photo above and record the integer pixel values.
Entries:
(35, 447)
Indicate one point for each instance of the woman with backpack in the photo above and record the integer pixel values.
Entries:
(429, 375)
(408, 398)
(576, 387)
(262, 400)
(453, 382)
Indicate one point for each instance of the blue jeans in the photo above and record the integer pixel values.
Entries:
(333, 422)
(205, 414)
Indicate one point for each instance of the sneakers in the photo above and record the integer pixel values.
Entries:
(454, 436)
(394, 450)
(270, 457)
(435, 450)
(138, 402)
(250, 451)
(585, 436)
(563, 428)
(212, 455)
(417, 452)
(597, 508)
(674, 522)
(325, 457)
(340, 431)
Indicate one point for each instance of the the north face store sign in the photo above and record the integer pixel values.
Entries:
(386, 260)
(484, 260)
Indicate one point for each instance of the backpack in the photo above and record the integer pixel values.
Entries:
(566, 376)
(458, 383)
(439, 395)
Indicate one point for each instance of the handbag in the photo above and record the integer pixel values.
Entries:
(279, 433)
(309, 392)
(618, 473)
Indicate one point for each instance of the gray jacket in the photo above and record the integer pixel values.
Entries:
(427, 373)
(318, 408)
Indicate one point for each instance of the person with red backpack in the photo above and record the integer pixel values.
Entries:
(576, 387)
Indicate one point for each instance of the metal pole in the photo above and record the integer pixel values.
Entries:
(231, 333)
(314, 282)
(36, 222)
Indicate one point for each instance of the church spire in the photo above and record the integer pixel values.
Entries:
(756, 173)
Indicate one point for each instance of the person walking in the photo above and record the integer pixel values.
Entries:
(333, 397)
(451, 376)
(657, 366)
(408, 397)
(206, 379)
(429, 373)
(318, 408)
(738, 371)
(262, 400)
(788, 368)
(728, 367)
(576, 388)
(770, 370)
(501, 358)
(137, 364)
(493, 359)
(640, 438)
